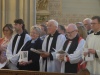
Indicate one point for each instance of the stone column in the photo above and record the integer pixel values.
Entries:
(32, 13)
(2, 23)
(0, 18)
(12, 9)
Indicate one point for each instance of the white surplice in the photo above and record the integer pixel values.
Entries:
(54, 65)
(93, 42)
(13, 57)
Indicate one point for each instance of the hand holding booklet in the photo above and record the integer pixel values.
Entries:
(37, 51)
(62, 52)
(89, 56)
(23, 56)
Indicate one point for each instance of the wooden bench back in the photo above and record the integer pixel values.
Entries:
(20, 72)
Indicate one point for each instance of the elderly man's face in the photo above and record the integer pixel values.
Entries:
(71, 33)
(87, 25)
(51, 28)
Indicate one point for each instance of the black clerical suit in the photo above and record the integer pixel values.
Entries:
(37, 44)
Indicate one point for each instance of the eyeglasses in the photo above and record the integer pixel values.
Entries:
(33, 33)
(6, 30)
(70, 32)
(86, 24)
(93, 23)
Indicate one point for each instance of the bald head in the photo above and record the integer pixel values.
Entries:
(72, 27)
(71, 31)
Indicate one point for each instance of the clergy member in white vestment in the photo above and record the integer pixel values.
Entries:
(93, 46)
(73, 47)
(16, 43)
(52, 43)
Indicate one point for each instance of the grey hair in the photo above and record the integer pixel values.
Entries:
(80, 23)
(88, 19)
(54, 22)
(37, 29)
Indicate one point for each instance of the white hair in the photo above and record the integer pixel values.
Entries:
(87, 19)
(54, 22)
(37, 29)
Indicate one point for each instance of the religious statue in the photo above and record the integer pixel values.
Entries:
(42, 4)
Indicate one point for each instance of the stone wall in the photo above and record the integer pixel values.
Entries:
(64, 11)
(71, 11)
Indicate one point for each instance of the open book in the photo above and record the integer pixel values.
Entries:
(36, 51)
(62, 52)
(23, 56)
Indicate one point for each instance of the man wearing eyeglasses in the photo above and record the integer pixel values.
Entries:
(93, 47)
(73, 47)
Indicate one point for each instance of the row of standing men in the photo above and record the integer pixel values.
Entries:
(50, 60)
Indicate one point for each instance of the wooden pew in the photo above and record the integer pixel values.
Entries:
(24, 72)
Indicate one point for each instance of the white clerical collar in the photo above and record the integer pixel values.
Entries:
(53, 34)
(42, 37)
(33, 41)
(20, 34)
(96, 32)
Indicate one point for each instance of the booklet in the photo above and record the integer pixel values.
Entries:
(88, 57)
(62, 52)
(23, 56)
(36, 51)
